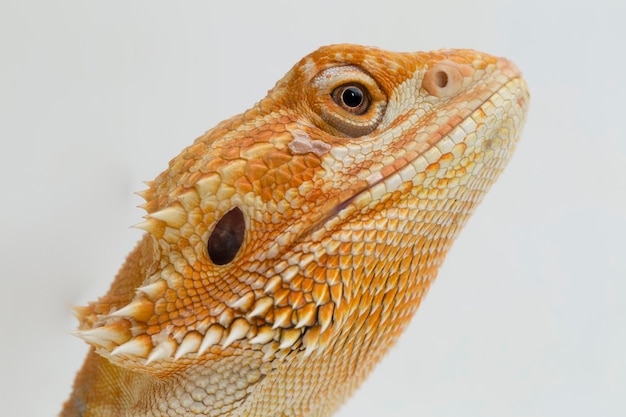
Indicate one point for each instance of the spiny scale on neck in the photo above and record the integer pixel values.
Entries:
(288, 247)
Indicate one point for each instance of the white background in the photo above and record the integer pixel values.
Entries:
(528, 316)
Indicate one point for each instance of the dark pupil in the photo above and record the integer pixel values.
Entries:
(352, 97)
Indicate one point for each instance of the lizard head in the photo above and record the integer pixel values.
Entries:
(327, 206)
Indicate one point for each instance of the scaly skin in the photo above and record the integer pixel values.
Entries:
(340, 208)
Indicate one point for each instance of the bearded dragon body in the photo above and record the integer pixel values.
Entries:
(288, 247)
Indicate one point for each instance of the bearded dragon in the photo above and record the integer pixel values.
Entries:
(288, 247)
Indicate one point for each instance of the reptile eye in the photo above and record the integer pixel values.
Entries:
(352, 97)
(348, 100)
(227, 237)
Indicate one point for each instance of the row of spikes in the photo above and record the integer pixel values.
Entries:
(216, 335)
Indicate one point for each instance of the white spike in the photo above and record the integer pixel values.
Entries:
(269, 351)
(144, 207)
(261, 307)
(103, 335)
(154, 290)
(190, 344)
(238, 330)
(226, 318)
(310, 340)
(306, 315)
(212, 336)
(143, 194)
(263, 335)
(289, 337)
(147, 226)
(140, 309)
(174, 216)
(81, 312)
(244, 302)
(138, 346)
(325, 315)
(282, 317)
(203, 325)
(162, 351)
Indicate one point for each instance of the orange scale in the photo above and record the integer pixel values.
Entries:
(170, 295)
(321, 293)
(296, 299)
(160, 306)
(165, 317)
(179, 322)
(281, 295)
(307, 284)
(152, 330)
(244, 185)
(296, 283)
(190, 320)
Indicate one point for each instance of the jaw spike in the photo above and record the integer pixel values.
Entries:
(289, 337)
(306, 315)
(325, 315)
(311, 340)
(261, 307)
(105, 336)
(238, 330)
(190, 344)
(155, 290)
(269, 351)
(145, 194)
(162, 351)
(150, 226)
(140, 309)
(212, 336)
(144, 206)
(263, 335)
(81, 312)
(282, 317)
(138, 346)
(174, 216)
(244, 303)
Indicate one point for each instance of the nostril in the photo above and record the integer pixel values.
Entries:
(443, 79)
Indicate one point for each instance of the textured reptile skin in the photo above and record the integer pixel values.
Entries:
(288, 247)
